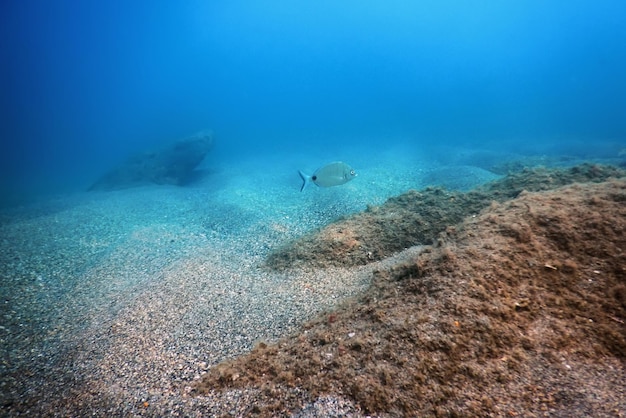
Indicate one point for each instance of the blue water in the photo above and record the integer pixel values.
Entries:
(86, 83)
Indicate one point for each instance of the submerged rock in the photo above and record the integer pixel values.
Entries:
(415, 218)
(174, 164)
(524, 302)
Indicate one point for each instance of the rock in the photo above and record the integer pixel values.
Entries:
(174, 164)
(418, 218)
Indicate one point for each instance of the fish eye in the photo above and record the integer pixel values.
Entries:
(352, 173)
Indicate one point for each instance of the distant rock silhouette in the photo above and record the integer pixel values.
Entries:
(173, 164)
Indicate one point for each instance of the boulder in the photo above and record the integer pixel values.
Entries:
(173, 164)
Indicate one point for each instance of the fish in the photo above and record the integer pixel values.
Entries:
(333, 174)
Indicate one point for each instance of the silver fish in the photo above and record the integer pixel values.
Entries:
(333, 174)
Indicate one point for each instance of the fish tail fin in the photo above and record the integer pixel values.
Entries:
(305, 180)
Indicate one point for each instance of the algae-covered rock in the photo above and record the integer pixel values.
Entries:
(527, 297)
(415, 218)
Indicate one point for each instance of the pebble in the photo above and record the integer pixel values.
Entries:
(115, 303)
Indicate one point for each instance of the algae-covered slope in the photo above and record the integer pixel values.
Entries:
(417, 218)
(518, 311)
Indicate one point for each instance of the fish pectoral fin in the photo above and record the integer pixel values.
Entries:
(305, 180)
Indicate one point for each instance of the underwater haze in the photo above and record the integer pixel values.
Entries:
(87, 83)
(184, 181)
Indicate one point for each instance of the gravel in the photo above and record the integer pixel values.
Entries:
(114, 303)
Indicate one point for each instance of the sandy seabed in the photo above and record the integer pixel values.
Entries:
(124, 304)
